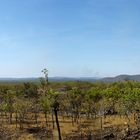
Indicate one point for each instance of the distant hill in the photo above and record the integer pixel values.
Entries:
(90, 79)
(11, 80)
(121, 78)
(52, 79)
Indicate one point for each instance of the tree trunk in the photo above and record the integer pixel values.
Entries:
(46, 118)
(57, 123)
(53, 120)
(10, 117)
(101, 121)
(16, 119)
(72, 119)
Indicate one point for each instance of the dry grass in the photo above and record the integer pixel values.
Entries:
(67, 127)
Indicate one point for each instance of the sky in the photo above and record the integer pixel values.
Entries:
(71, 38)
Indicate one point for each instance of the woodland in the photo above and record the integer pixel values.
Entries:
(71, 110)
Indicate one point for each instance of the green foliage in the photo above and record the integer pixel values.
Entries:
(95, 94)
(30, 90)
(45, 103)
(73, 96)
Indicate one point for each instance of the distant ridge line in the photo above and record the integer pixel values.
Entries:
(123, 77)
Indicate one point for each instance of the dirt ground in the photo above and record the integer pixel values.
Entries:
(34, 132)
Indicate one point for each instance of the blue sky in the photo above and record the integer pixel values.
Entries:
(72, 38)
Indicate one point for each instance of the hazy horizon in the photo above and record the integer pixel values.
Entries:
(92, 38)
(98, 77)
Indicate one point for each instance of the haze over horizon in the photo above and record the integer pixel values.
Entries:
(76, 38)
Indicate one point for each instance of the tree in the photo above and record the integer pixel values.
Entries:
(9, 99)
(45, 72)
(21, 107)
(55, 106)
(46, 106)
(30, 90)
(76, 101)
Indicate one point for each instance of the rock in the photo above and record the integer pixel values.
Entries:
(108, 137)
